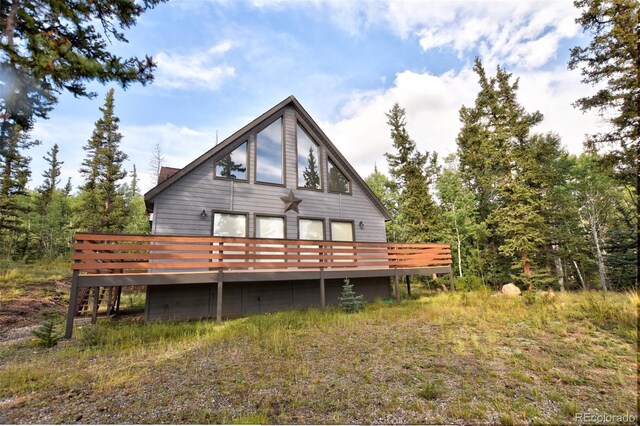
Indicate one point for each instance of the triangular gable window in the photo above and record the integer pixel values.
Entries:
(234, 164)
(338, 182)
(308, 161)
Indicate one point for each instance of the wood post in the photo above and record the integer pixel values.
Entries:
(94, 308)
(452, 282)
(219, 298)
(322, 296)
(110, 301)
(395, 283)
(73, 304)
(408, 280)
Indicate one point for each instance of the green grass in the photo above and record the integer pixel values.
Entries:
(24, 280)
(472, 357)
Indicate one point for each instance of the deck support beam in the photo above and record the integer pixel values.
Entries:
(73, 304)
(407, 278)
(219, 298)
(94, 308)
(322, 295)
(396, 285)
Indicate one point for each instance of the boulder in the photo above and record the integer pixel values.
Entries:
(511, 290)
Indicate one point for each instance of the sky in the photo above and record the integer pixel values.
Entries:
(222, 63)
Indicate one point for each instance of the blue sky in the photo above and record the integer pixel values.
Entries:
(223, 63)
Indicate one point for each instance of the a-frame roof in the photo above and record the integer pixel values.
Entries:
(290, 101)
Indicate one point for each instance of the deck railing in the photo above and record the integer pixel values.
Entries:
(127, 254)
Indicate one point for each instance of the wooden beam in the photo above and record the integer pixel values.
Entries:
(322, 295)
(73, 305)
(94, 308)
(396, 285)
(408, 280)
(219, 299)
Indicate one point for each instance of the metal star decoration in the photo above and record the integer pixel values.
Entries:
(291, 202)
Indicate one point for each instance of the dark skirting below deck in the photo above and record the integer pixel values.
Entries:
(182, 302)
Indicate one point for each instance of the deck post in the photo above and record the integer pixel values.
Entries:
(408, 280)
(110, 301)
(219, 298)
(73, 304)
(452, 282)
(396, 284)
(94, 308)
(322, 295)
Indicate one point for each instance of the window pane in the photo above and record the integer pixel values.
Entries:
(269, 227)
(269, 153)
(311, 229)
(342, 231)
(229, 225)
(234, 164)
(337, 181)
(308, 166)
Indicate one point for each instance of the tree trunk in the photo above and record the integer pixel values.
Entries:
(559, 269)
(599, 257)
(582, 283)
(526, 265)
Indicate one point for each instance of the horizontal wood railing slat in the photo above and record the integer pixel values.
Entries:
(111, 254)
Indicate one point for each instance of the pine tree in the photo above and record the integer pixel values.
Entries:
(229, 167)
(611, 62)
(311, 174)
(413, 174)
(51, 175)
(460, 224)
(103, 205)
(137, 221)
(385, 190)
(349, 301)
(50, 46)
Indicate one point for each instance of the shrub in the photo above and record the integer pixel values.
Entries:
(469, 283)
(349, 301)
(49, 333)
(432, 390)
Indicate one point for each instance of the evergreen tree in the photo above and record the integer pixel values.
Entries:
(460, 219)
(385, 190)
(103, 205)
(349, 301)
(14, 205)
(49, 46)
(413, 173)
(311, 173)
(137, 221)
(229, 167)
(611, 62)
(51, 175)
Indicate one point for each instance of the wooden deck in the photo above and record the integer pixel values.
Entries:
(116, 260)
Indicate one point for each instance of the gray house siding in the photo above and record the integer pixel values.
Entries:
(178, 208)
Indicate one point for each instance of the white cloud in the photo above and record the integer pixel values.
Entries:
(197, 70)
(432, 104)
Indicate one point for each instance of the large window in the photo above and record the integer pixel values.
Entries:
(337, 181)
(311, 229)
(269, 153)
(308, 161)
(229, 225)
(234, 164)
(269, 227)
(341, 231)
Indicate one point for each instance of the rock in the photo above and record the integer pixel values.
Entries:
(511, 290)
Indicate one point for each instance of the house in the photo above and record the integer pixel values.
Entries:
(274, 213)
(279, 177)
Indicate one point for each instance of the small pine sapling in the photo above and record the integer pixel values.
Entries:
(49, 333)
(349, 301)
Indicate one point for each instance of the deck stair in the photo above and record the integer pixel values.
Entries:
(110, 295)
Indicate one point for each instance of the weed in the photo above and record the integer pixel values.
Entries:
(432, 390)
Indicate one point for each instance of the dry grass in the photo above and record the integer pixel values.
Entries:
(449, 358)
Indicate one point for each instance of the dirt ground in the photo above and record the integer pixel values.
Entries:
(20, 315)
